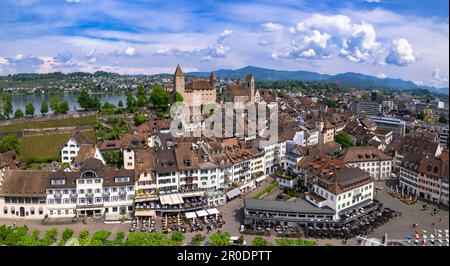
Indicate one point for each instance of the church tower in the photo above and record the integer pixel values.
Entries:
(250, 84)
(179, 81)
(213, 79)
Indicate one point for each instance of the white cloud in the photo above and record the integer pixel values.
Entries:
(333, 35)
(437, 80)
(217, 49)
(73, 1)
(381, 76)
(401, 53)
(130, 51)
(373, 1)
(269, 26)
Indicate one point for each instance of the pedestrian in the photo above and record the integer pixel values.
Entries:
(433, 224)
(440, 219)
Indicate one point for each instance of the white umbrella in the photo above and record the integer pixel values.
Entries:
(439, 230)
(446, 231)
(432, 236)
(439, 235)
(424, 231)
(424, 236)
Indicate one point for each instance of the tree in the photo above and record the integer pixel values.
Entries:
(177, 236)
(7, 106)
(100, 237)
(422, 116)
(139, 119)
(68, 233)
(84, 100)
(141, 96)
(54, 104)
(18, 113)
(365, 96)
(295, 242)
(218, 239)
(63, 107)
(178, 97)
(44, 108)
(29, 109)
(9, 143)
(198, 239)
(131, 102)
(49, 237)
(380, 97)
(259, 241)
(120, 104)
(343, 139)
(159, 98)
(83, 238)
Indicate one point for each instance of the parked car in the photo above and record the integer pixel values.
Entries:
(234, 240)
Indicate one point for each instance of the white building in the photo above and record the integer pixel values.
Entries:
(70, 150)
(369, 159)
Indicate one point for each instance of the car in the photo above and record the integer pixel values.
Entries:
(234, 240)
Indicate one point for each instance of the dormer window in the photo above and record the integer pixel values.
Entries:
(187, 162)
(122, 179)
(58, 181)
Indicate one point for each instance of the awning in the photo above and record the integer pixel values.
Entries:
(145, 213)
(246, 185)
(212, 211)
(191, 215)
(192, 194)
(201, 213)
(165, 199)
(176, 199)
(261, 178)
(233, 193)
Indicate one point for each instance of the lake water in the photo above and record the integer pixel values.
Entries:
(19, 101)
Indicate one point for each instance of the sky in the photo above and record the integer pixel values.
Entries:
(406, 39)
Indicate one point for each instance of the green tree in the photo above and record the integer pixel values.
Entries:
(343, 139)
(68, 233)
(8, 143)
(63, 107)
(84, 100)
(177, 236)
(7, 106)
(365, 96)
(178, 97)
(380, 96)
(259, 241)
(139, 119)
(198, 239)
(54, 104)
(131, 103)
(44, 108)
(159, 98)
(18, 113)
(83, 238)
(295, 242)
(49, 237)
(218, 239)
(29, 109)
(120, 104)
(422, 116)
(100, 238)
(141, 96)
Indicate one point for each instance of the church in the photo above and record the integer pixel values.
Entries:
(239, 92)
(205, 89)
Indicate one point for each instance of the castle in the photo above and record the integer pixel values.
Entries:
(206, 90)
(242, 93)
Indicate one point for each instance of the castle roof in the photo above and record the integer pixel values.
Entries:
(178, 72)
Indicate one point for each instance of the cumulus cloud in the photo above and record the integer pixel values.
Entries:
(373, 1)
(381, 76)
(217, 49)
(73, 1)
(129, 52)
(437, 79)
(401, 53)
(322, 36)
(269, 26)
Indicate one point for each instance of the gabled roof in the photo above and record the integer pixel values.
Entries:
(364, 153)
(9, 159)
(80, 138)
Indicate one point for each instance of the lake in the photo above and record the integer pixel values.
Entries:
(19, 101)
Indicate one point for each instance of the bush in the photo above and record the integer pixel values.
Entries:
(177, 236)
(198, 239)
(68, 233)
(259, 241)
(295, 242)
(49, 237)
(100, 237)
(218, 239)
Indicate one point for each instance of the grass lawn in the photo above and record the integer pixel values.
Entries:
(266, 190)
(46, 146)
(80, 121)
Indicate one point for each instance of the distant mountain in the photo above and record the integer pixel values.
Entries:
(349, 79)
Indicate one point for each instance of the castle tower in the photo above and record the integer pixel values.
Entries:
(213, 79)
(250, 84)
(178, 80)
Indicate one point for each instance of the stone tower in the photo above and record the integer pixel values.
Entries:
(250, 84)
(213, 79)
(179, 81)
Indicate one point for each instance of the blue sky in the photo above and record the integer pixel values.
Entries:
(385, 38)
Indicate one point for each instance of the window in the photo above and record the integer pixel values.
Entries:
(122, 179)
(80, 181)
(58, 181)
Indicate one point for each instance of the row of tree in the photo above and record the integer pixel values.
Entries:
(6, 107)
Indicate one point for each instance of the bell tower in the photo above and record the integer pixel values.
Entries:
(178, 80)
(250, 84)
